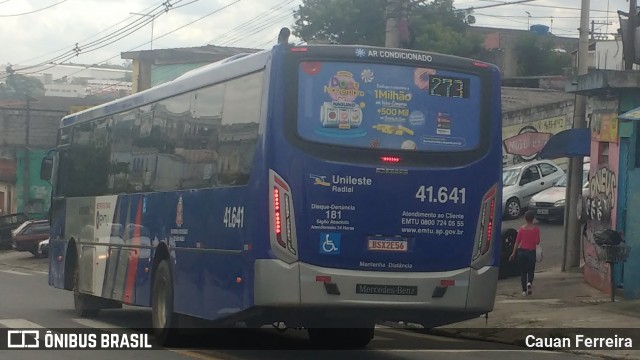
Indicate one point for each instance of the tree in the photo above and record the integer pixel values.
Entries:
(341, 21)
(536, 56)
(18, 86)
(436, 26)
(440, 27)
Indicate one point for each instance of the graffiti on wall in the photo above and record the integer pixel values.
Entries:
(597, 213)
(523, 142)
(602, 196)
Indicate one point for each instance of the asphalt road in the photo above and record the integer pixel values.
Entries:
(26, 301)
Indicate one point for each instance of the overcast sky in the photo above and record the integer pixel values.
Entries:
(36, 31)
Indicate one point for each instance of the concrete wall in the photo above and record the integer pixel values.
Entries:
(526, 131)
(502, 43)
(601, 205)
(42, 136)
(42, 129)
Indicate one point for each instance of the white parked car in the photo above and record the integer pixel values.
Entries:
(549, 204)
(520, 182)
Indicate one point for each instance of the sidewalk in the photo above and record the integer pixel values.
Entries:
(560, 301)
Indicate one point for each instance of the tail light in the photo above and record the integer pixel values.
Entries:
(486, 223)
(283, 230)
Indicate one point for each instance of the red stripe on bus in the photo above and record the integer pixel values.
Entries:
(132, 267)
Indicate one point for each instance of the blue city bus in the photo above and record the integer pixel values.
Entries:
(323, 187)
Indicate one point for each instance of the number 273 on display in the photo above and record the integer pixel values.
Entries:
(442, 195)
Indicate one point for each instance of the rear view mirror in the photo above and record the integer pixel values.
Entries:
(46, 168)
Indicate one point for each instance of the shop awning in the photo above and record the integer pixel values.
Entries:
(631, 115)
(568, 143)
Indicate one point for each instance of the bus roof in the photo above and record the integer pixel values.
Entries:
(235, 66)
(194, 79)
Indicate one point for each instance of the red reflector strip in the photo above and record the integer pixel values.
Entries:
(480, 64)
(491, 193)
(276, 205)
(321, 278)
(301, 49)
(390, 159)
(489, 226)
(447, 283)
(281, 183)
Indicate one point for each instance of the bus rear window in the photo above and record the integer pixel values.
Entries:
(388, 107)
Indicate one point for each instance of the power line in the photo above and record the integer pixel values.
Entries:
(34, 11)
(88, 38)
(256, 28)
(100, 43)
(250, 21)
(77, 49)
(496, 5)
(567, 8)
(159, 37)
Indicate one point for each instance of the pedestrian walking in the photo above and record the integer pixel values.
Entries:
(525, 248)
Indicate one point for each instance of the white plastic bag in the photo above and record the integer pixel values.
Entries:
(539, 253)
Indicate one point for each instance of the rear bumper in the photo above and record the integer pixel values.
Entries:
(418, 297)
(556, 212)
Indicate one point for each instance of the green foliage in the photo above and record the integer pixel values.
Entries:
(341, 21)
(535, 56)
(435, 26)
(17, 86)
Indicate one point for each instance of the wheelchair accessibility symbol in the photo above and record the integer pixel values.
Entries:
(330, 243)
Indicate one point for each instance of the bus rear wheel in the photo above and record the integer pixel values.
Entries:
(83, 304)
(162, 314)
(340, 338)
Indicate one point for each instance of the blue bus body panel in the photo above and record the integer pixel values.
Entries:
(211, 262)
(384, 206)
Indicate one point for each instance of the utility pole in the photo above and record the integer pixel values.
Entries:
(630, 53)
(599, 35)
(573, 235)
(394, 14)
(153, 18)
(25, 178)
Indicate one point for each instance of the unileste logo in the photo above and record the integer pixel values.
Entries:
(320, 180)
(341, 184)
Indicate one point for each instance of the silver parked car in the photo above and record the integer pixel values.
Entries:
(549, 204)
(520, 182)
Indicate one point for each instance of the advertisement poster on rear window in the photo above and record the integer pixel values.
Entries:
(388, 107)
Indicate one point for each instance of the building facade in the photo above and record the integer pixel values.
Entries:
(614, 178)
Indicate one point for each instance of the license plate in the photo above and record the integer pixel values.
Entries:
(543, 211)
(388, 245)
(370, 289)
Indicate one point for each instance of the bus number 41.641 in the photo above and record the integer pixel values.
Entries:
(442, 195)
(234, 217)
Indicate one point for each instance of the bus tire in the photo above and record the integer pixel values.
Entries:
(341, 337)
(162, 315)
(82, 303)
